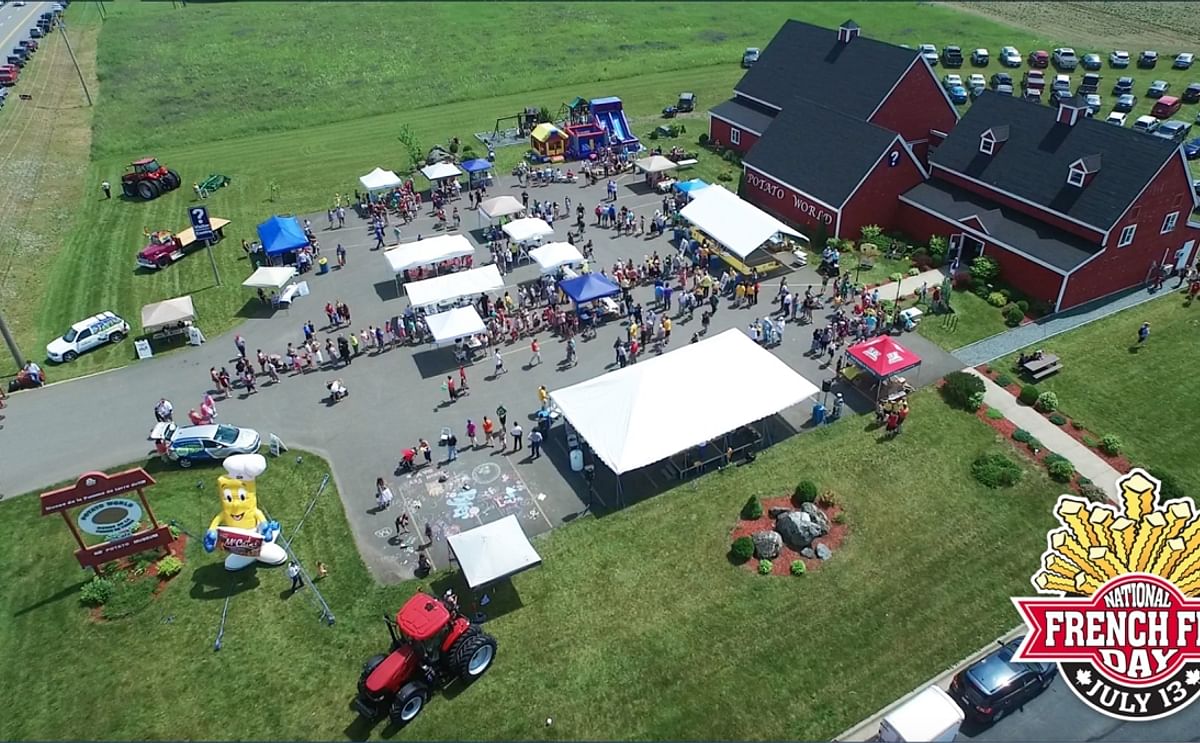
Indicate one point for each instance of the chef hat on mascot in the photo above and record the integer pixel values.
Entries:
(245, 466)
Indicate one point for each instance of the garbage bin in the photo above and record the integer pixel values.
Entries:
(818, 414)
(576, 460)
(322, 265)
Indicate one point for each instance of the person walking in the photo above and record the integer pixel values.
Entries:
(462, 377)
(240, 342)
(517, 434)
(535, 444)
(471, 433)
(448, 385)
(341, 255)
(498, 360)
(164, 410)
(383, 494)
(536, 350)
(403, 521)
(451, 447)
(293, 572)
(543, 397)
(489, 430)
(106, 187)
(426, 451)
(1143, 333)
(502, 415)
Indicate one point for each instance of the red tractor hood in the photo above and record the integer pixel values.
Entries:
(394, 671)
(422, 617)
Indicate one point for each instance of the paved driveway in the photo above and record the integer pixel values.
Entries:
(96, 423)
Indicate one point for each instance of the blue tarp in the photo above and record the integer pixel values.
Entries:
(588, 287)
(690, 187)
(477, 165)
(281, 234)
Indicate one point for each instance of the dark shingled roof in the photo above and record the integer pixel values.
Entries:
(809, 63)
(819, 151)
(746, 113)
(1035, 161)
(1027, 235)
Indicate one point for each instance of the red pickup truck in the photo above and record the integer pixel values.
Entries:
(9, 74)
(164, 248)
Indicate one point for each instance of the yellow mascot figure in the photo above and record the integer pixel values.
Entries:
(240, 525)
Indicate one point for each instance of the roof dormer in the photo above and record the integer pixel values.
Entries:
(848, 31)
(1083, 170)
(993, 139)
(1071, 110)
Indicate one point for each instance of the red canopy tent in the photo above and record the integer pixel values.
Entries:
(882, 358)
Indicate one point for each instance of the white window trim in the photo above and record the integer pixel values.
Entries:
(1169, 222)
(987, 146)
(1127, 234)
(1076, 177)
(735, 135)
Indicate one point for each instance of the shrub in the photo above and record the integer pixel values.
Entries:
(806, 492)
(1094, 493)
(987, 369)
(922, 261)
(798, 567)
(1029, 395)
(753, 509)
(725, 176)
(1058, 419)
(169, 567)
(1171, 487)
(980, 288)
(828, 499)
(840, 518)
(143, 560)
(730, 156)
(1090, 442)
(1053, 457)
(129, 598)
(897, 276)
(1013, 317)
(175, 532)
(960, 387)
(937, 249)
(764, 567)
(1047, 402)
(914, 271)
(1111, 444)
(871, 233)
(996, 299)
(1023, 304)
(975, 402)
(1077, 425)
(703, 139)
(994, 414)
(654, 134)
(1061, 470)
(1004, 380)
(742, 549)
(1033, 444)
(995, 470)
(96, 591)
(1022, 436)
(985, 268)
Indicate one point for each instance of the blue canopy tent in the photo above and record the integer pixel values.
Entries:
(589, 287)
(478, 172)
(690, 187)
(280, 235)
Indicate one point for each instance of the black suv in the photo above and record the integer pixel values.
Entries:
(952, 56)
(992, 687)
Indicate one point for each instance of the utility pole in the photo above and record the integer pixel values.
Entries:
(11, 343)
(62, 28)
(212, 259)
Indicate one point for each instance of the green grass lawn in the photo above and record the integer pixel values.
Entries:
(635, 627)
(1146, 396)
(973, 319)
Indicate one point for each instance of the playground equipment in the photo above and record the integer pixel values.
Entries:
(240, 528)
(432, 645)
(148, 180)
(511, 130)
(548, 142)
(212, 183)
(610, 115)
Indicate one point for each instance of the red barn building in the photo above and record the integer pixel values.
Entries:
(1072, 209)
(833, 126)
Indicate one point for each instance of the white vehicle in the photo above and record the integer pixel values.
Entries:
(1116, 117)
(1119, 59)
(86, 335)
(929, 52)
(1010, 57)
(977, 81)
(1145, 124)
(931, 715)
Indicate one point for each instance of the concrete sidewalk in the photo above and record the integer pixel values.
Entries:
(910, 285)
(1087, 462)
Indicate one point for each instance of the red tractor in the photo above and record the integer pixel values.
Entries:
(432, 645)
(148, 180)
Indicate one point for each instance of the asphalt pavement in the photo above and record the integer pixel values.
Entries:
(15, 23)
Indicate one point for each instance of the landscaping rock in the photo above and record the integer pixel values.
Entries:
(824, 552)
(777, 511)
(798, 529)
(807, 552)
(767, 544)
(817, 515)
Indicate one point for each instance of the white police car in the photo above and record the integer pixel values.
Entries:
(85, 335)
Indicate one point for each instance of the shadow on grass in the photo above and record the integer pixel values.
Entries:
(65, 592)
(213, 581)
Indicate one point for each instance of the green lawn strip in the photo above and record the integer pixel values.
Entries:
(1146, 396)
(636, 626)
(973, 319)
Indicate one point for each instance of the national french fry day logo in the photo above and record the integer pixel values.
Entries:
(1119, 604)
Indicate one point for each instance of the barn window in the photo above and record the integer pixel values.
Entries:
(1169, 222)
(735, 136)
(987, 146)
(1127, 236)
(1075, 178)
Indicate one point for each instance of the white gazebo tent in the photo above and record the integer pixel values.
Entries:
(498, 206)
(552, 256)
(168, 312)
(739, 226)
(647, 411)
(440, 171)
(655, 168)
(270, 277)
(380, 180)
(429, 252)
(452, 325)
(528, 229)
(494, 551)
(453, 286)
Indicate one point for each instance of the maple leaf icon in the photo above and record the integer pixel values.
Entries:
(1084, 677)
(1193, 678)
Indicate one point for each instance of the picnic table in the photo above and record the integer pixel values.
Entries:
(1042, 367)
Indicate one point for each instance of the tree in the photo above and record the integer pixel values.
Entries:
(871, 233)
(412, 145)
(543, 115)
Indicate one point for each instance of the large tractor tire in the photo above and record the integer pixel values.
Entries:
(147, 190)
(371, 664)
(172, 181)
(472, 655)
(409, 702)
(129, 189)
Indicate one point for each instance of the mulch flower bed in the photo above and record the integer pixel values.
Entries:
(175, 548)
(782, 565)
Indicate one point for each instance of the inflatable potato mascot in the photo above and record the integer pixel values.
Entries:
(240, 528)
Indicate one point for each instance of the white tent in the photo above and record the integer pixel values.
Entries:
(655, 164)
(380, 179)
(438, 171)
(528, 229)
(453, 286)
(648, 411)
(270, 277)
(552, 256)
(738, 225)
(167, 312)
(501, 206)
(493, 551)
(428, 252)
(451, 325)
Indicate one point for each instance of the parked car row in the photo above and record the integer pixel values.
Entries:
(1063, 58)
(20, 54)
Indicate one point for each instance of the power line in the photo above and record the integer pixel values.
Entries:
(62, 28)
